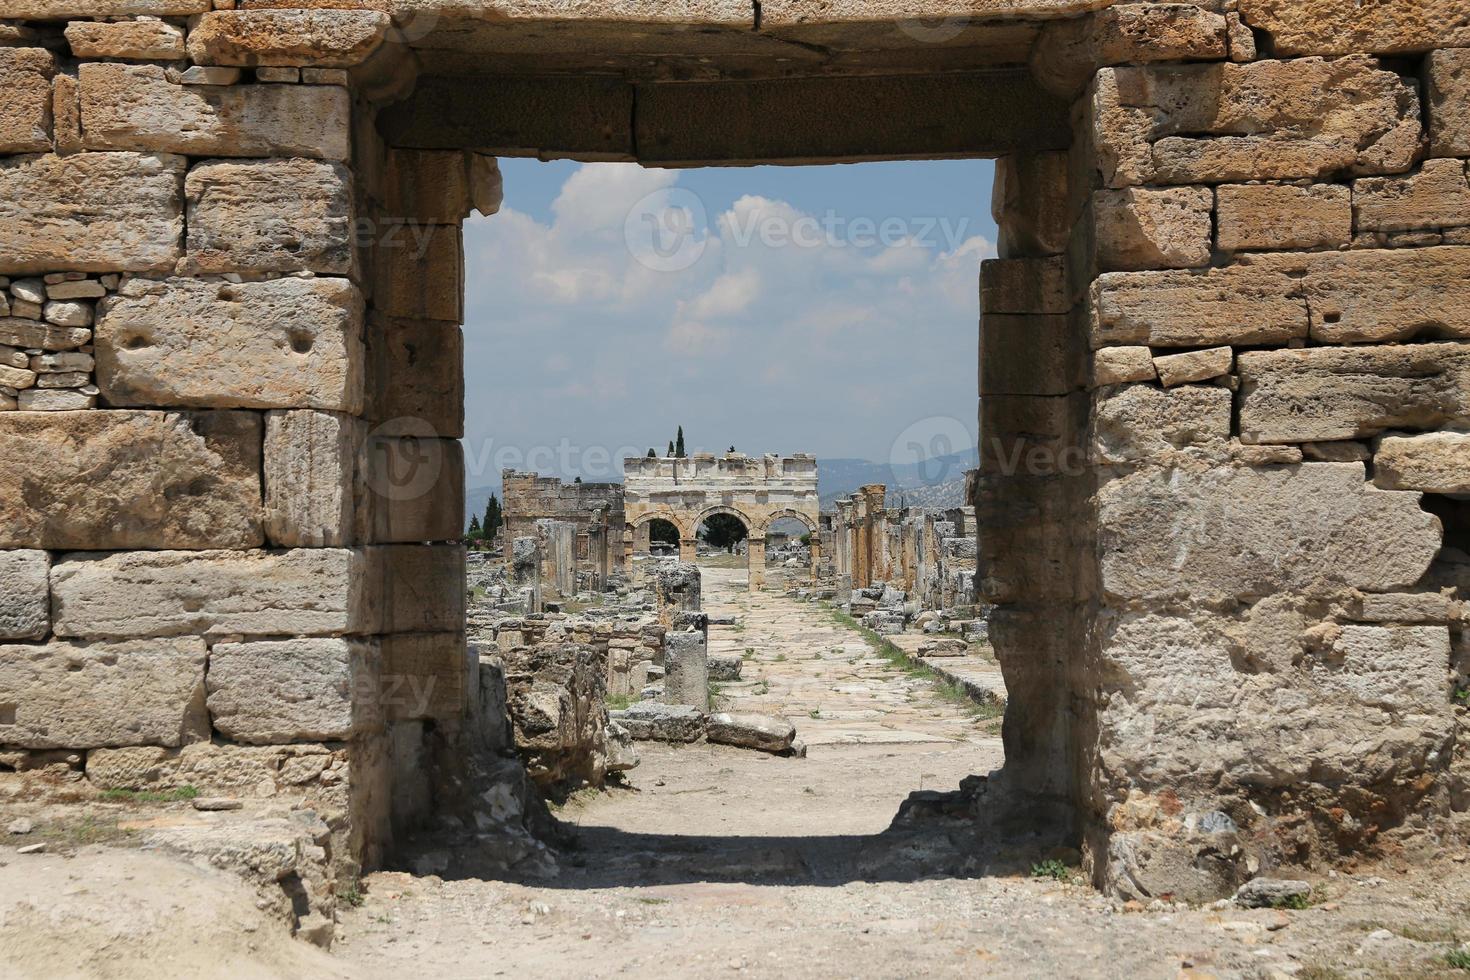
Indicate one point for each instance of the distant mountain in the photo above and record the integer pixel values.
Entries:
(937, 483)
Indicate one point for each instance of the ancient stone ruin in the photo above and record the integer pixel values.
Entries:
(1224, 380)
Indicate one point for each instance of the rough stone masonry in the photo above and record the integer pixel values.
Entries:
(1224, 380)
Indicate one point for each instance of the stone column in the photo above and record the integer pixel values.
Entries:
(688, 550)
(686, 668)
(756, 563)
(816, 553)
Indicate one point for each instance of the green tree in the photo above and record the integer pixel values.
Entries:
(724, 531)
(475, 532)
(652, 454)
(671, 449)
(493, 517)
(679, 444)
(663, 532)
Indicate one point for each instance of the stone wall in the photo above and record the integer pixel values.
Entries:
(595, 510)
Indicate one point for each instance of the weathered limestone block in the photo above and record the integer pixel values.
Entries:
(1140, 422)
(1232, 305)
(1031, 355)
(1195, 365)
(25, 595)
(249, 771)
(1032, 216)
(653, 721)
(415, 489)
(686, 669)
(25, 99)
(1069, 51)
(275, 691)
(87, 695)
(1268, 120)
(269, 216)
(441, 186)
(415, 377)
(1279, 216)
(1326, 393)
(103, 480)
(1153, 228)
(1438, 196)
(425, 675)
(419, 272)
(1120, 365)
(1245, 533)
(136, 107)
(1191, 687)
(1024, 286)
(91, 212)
(1326, 27)
(1375, 295)
(311, 485)
(305, 592)
(284, 343)
(556, 694)
(137, 40)
(319, 38)
(67, 9)
(1429, 607)
(1448, 102)
(419, 588)
(1437, 462)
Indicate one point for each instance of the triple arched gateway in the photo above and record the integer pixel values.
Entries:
(687, 491)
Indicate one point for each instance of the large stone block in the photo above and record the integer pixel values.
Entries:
(425, 675)
(269, 216)
(1437, 462)
(419, 588)
(415, 377)
(1154, 228)
(1070, 50)
(1375, 295)
(311, 485)
(284, 343)
(1438, 196)
(137, 107)
(415, 489)
(1024, 286)
(686, 669)
(276, 691)
(88, 695)
(218, 768)
(25, 99)
(1447, 92)
(1030, 205)
(316, 38)
(67, 9)
(419, 272)
(1275, 216)
(1242, 533)
(1231, 305)
(1031, 355)
(1327, 393)
(25, 595)
(305, 592)
(102, 480)
(138, 40)
(1265, 120)
(1140, 423)
(441, 186)
(91, 212)
(1327, 27)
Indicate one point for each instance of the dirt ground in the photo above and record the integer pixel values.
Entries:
(715, 861)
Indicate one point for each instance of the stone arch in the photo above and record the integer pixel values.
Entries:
(682, 525)
(751, 526)
(807, 520)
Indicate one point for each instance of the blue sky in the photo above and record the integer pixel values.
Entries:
(829, 310)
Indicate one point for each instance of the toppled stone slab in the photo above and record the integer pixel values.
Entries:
(621, 755)
(299, 38)
(309, 591)
(304, 690)
(652, 721)
(1242, 533)
(1327, 393)
(285, 343)
(748, 730)
(173, 480)
(25, 595)
(725, 668)
(91, 212)
(88, 695)
(137, 107)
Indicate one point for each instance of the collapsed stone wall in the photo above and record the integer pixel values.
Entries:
(594, 509)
